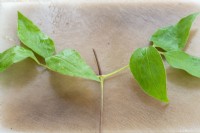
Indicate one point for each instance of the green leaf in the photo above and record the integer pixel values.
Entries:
(69, 62)
(31, 36)
(147, 67)
(174, 37)
(184, 61)
(13, 55)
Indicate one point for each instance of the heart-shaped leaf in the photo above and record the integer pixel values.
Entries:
(69, 62)
(147, 67)
(184, 61)
(174, 37)
(13, 55)
(31, 36)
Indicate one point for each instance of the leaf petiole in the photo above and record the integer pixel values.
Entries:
(161, 53)
(115, 72)
(45, 66)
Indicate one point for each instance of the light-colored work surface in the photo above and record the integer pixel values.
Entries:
(35, 100)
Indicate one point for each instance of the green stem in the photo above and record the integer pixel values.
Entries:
(116, 71)
(102, 99)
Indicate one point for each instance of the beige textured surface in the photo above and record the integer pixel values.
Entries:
(36, 100)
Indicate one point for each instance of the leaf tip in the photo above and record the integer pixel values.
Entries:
(166, 100)
(196, 13)
(19, 14)
(161, 99)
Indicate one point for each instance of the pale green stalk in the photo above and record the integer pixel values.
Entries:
(114, 72)
(102, 99)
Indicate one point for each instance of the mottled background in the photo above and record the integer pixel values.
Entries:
(36, 100)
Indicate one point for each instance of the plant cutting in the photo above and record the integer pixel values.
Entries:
(146, 64)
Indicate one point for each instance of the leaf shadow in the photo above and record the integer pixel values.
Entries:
(182, 78)
(146, 99)
(53, 102)
(39, 58)
(191, 36)
(19, 74)
(75, 91)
